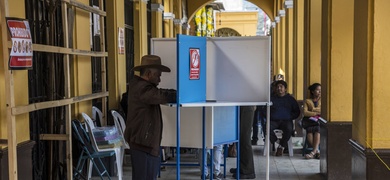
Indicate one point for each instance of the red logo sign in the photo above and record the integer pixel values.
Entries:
(194, 63)
(21, 52)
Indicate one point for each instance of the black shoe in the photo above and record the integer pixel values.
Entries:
(254, 142)
(233, 170)
(206, 177)
(217, 177)
(245, 176)
(163, 168)
(285, 150)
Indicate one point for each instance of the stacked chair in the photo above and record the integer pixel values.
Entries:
(88, 153)
(105, 139)
(97, 116)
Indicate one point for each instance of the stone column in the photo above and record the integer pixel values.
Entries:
(290, 78)
(116, 63)
(140, 31)
(370, 134)
(168, 23)
(298, 48)
(336, 79)
(157, 21)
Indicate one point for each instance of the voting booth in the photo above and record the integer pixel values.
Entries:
(213, 77)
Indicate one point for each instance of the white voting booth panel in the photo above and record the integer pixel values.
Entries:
(218, 126)
(238, 70)
(190, 129)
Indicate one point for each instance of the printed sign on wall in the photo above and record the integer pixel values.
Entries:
(21, 52)
(121, 41)
(194, 63)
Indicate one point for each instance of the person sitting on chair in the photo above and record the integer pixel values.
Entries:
(312, 107)
(283, 111)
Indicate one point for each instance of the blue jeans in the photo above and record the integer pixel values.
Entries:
(144, 165)
(217, 154)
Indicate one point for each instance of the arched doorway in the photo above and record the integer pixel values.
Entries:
(226, 32)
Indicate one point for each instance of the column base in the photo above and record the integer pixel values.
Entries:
(335, 162)
(366, 164)
(24, 156)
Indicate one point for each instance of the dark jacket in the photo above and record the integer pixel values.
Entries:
(284, 108)
(144, 121)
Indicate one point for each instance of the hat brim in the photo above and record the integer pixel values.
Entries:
(160, 67)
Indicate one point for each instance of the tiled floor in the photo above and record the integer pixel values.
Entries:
(285, 167)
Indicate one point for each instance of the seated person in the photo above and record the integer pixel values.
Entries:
(283, 111)
(312, 107)
(217, 155)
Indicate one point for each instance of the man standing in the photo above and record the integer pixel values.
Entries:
(284, 110)
(247, 167)
(144, 121)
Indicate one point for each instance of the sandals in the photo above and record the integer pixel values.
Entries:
(317, 155)
(313, 155)
(310, 155)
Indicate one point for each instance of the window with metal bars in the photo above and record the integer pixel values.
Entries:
(129, 39)
(45, 84)
(96, 62)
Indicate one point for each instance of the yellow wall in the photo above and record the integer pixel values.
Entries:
(299, 49)
(20, 81)
(3, 114)
(82, 64)
(178, 11)
(244, 23)
(168, 23)
(279, 48)
(314, 47)
(362, 76)
(194, 6)
(337, 61)
(81, 71)
(140, 31)
(266, 5)
(116, 62)
(290, 74)
(370, 78)
(341, 60)
(381, 74)
(157, 21)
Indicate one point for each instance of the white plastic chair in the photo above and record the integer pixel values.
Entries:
(96, 112)
(90, 126)
(279, 134)
(121, 126)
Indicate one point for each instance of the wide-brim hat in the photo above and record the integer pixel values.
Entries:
(151, 61)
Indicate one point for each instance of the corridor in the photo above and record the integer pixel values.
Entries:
(281, 168)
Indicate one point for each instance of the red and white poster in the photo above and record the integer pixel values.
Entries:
(21, 51)
(194, 63)
(121, 41)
